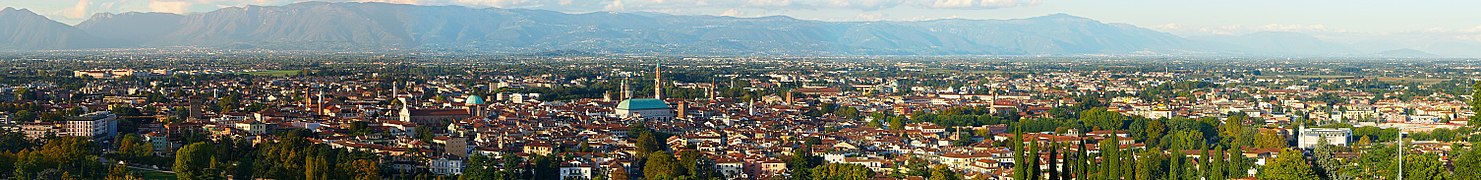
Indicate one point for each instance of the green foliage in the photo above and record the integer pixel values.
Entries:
(1101, 119)
(1468, 163)
(835, 171)
(1270, 139)
(546, 167)
(74, 156)
(121, 172)
(1151, 165)
(134, 148)
(1476, 100)
(1289, 165)
(943, 173)
(479, 167)
(1425, 167)
(196, 162)
(660, 165)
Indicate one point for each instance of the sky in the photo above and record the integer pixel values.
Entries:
(1457, 19)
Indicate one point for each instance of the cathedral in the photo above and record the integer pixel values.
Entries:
(647, 108)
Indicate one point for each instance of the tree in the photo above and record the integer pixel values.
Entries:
(1238, 164)
(943, 173)
(1326, 161)
(1269, 139)
(316, 166)
(365, 169)
(647, 143)
(659, 166)
(1100, 118)
(479, 167)
(897, 123)
(194, 162)
(1204, 163)
(1154, 131)
(619, 174)
(1217, 164)
(1020, 170)
(1476, 100)
(1289, 165)
(1053, 173)
(1425, 167)
(1110, 158)
(1032, 164)
(547, 168)
(511, 168)
(1151, 165)
(121, 172)
(1468, 163)
(836, 171)
(134, 148)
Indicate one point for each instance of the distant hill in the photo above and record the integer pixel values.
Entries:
(1279, 43)
(25, 30)
(134, 28)
(381, 26)
(1405, 53)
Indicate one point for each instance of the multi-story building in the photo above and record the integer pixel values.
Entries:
(446, 165)
(1310, 138)
(38, 130)
(575, 170)
(99, 126)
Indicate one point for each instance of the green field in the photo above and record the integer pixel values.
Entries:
(274, 73)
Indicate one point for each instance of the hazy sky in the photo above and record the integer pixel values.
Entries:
(1183, 17)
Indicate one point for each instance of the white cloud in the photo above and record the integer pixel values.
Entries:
(980, 4)
(393, 1)
(732, 12)
(168, 6)
(78, 10)
(616, 5)
(768, 3)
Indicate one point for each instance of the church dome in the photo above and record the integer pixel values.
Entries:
(474, 100)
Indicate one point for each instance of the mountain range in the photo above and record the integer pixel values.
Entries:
(381, 26)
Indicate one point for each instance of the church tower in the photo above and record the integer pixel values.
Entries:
(658, 81)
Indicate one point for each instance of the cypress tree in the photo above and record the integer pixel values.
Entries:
(1018, 160)
(1110, 158)
(1217, 164)
(1053, 160)
(1236, 163)
(1203, 162)
(1033, 161)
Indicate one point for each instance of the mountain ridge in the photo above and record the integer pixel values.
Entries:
(383, 26)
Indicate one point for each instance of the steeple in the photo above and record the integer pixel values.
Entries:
(658, 81)
(627, 92)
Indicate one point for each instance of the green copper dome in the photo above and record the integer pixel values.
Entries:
(641, 104)
(475, 100)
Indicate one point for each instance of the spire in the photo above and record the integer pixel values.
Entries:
(658, 81)
(627, 92)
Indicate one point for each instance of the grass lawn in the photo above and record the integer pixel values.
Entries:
(152, 174)
(274, 73)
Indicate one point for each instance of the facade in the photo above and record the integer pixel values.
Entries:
(161, 143)
(1310, 138)
(575, 170)
(446, 166)
(38, 130)
(99, 126)
(432, 116)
